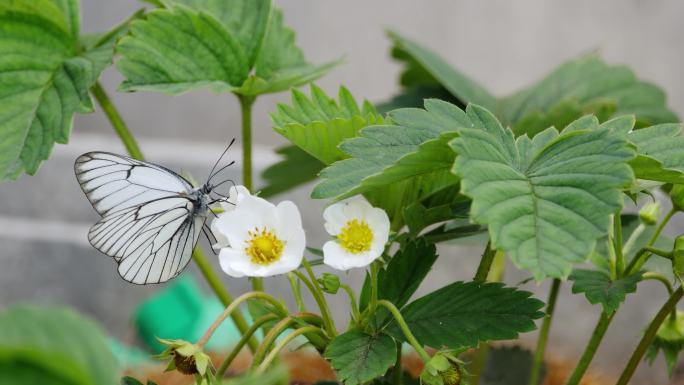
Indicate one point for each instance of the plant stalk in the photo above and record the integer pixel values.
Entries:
(590, 350)
(485, 263)
(650, 333)
(544, 333)
(286, 340)
(117, 121)
(220, 373)
(617, 239)
(410, 338)
(134, 151)
(320, 301)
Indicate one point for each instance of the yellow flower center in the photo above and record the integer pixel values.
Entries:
(264, 247)
(356, 237)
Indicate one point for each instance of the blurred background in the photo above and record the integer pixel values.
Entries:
(45, 256)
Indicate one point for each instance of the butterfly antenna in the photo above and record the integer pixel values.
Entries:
(211, 173)
(225, 181)
(206, 232)
(221, 169)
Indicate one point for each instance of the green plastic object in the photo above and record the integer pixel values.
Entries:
(182, 311)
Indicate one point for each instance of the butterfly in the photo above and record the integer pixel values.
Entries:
(151, 216)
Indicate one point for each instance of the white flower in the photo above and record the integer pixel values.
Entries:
(264, 239)
(235, 194)
(361, 231)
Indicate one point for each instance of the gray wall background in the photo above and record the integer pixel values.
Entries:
(44, 256)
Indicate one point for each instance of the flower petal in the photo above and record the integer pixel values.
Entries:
(338, 258)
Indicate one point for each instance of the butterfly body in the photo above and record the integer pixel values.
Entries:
(151, 216)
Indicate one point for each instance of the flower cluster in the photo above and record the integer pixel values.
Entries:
(259, 239)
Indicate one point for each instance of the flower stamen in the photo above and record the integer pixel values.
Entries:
(356, 236)
(264, 247)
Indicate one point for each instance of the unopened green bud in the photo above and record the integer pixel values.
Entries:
(330, 283)
(650, 213)
(185, 357)
(443, 369)
(678, 256)
(677, 196)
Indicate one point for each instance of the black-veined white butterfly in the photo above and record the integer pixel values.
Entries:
(151, 216)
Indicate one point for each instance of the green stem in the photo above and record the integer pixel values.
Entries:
(296, 291)
(233, 306)
(590, 350)
(246, 103)
(222, 293)
(661, 278)
(633, 238)
(661, 226)
(220, 373)
(410, 338)
(134, 151)
(320, 301)
(116, 121)
(643, 254)
(485, 263)
(373, 303)
(398, 371)
(330, 322)
(352, 301)
(650, 333)
(544, 333)
(617, 245)
(283, 325)
(286, 340)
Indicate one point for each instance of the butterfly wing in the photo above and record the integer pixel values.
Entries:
(114, 182)
(149, 225)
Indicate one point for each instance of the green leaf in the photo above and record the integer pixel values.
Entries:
(56, 343)
(359, 357)
(598, 287)
(545, 200)
(660, 153)
(238, 46)
(178, 49)
(44, 80)
(589, 80)
(406, 270)
(425, 64)
(246, 20)
(578, 87)
(461, 315)
(279, 176)
(414, 148)
(318, 124)
(418, 216)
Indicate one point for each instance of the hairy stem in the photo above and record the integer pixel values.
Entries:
(590, 350)
(650, 333)
(320, 301)
(352, 301)
(544, 333)
(220, 373)
(296, 291)
(233, 306)
(286, 340)
(410, 338)
(287, 323)
(134, 151)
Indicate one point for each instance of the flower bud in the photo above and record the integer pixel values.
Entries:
(669, 339)
(330, 283)
(650, 213)
(678, 256)
(185, 357)
(443, 369)
(677, 196)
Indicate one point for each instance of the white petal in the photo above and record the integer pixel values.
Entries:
(379, 223)
(221, 240)
(227, 258)
(338, 258)
(250, 213)
(335, 218)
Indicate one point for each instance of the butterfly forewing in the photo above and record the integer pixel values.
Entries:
(149, 223)
(113, 182)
